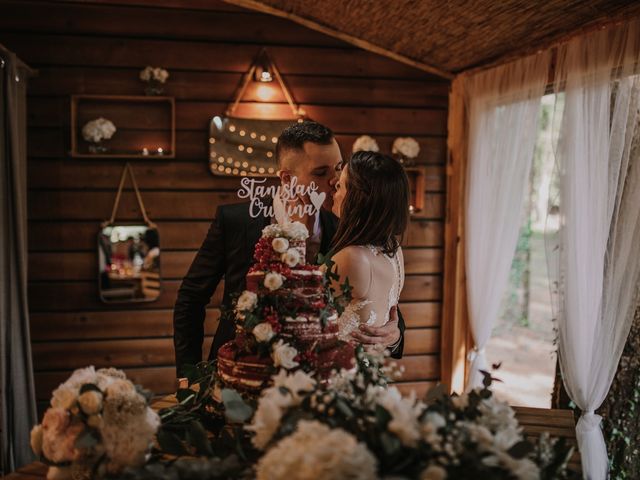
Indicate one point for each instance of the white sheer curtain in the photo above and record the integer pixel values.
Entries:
(599, 259)
(503, 105)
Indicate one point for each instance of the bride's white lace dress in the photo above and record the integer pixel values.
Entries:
(377, 280)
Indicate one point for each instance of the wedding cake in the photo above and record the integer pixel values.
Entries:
(285, 319)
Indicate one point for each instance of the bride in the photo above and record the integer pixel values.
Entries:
(372, 202)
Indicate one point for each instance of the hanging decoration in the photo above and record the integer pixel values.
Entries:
(245, 146)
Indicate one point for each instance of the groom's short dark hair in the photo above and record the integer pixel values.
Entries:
(295, 136)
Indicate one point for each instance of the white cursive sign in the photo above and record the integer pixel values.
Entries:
(255, 190)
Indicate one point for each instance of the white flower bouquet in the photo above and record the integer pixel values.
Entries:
(98, 424)
(407, 147)
(155, 78)
(97, 130)
(365, 143)
(157, 74)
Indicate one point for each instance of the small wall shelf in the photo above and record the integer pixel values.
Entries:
(143, 123)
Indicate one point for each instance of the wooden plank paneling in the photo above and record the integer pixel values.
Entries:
(168, 175)
(219, 87)
(421, 287)
(207, 46)
(421, 314)
(68, 50)
(196, 115)
(53, 326)
(78, 296)
(421, 340)
(419, 367)
(82, 236)
(420, 389)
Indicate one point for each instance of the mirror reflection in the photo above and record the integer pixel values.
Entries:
(129, 263)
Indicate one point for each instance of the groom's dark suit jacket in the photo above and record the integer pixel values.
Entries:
(227, 251)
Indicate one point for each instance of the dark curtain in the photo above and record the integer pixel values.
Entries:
(17, 394)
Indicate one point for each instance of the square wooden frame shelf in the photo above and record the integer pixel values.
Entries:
(143, 122)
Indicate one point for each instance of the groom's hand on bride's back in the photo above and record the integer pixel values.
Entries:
(389, 335)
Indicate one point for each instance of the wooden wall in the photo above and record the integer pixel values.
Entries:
(99, 47)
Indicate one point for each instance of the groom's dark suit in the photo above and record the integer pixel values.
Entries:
(227, 251)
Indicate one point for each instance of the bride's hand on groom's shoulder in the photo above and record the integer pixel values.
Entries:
(386, 335)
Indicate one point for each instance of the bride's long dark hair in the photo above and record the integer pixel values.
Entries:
(375, 210)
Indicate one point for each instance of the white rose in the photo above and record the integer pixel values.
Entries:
(406, 146)
(404, 413)
(295, 231)
(36, 440)
(365, 143)
(263, 332)
(90, 402)
(291, 257)
(283, 355)
(273, 281)
(246, 301)
(433, 472)
(280, 244)
(145, 75)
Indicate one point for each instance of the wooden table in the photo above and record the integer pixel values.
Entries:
(534, 421)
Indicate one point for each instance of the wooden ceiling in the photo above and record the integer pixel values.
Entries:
(447, 37)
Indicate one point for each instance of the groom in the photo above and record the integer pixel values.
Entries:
(309, 152)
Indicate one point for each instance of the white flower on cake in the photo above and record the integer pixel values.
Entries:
(273, 281)
(365, 143)
(283, 355)
(291, 257)
(263, 332)
(98, 129)
(280, 244)
(404, 413)
(90, 402)
(247, 301)
(296, 231)
(315, 451)
(157, 74)
(408, 147)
